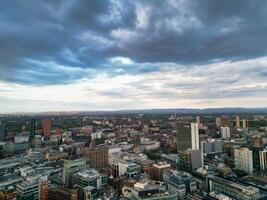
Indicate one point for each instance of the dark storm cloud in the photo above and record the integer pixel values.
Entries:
(86, 34)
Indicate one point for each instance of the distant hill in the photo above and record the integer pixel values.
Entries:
(153, 111)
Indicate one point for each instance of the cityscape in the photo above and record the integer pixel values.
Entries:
(133, 100)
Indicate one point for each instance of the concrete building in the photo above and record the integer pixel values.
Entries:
(158, 169)
(190, 159)
(237, 121)
(263, 160)
(22, 138)
(225, 132)
(225, 121)
(244, 160)
(194, 136)
(89, 177)
(71, 167)
(98, 156)
(244, 123)
(150, 190)
(218, 122)
(211, 146)
(232, 189)
(179, 182)
(124, 168)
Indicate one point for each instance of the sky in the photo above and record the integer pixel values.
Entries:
(122, 54)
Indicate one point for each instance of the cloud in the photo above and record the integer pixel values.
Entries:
(160, 50)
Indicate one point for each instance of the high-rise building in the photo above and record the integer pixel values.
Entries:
(194, 136)
(199, 122)
(263, 160)
(232, 189)
(244, 123)
(198, 119)
(46, 124)
(225, 121)
(237, 121)
(218, 122)
(187, 136)
(2, 132)
(33, 129)
(98, 156)
(225, 132)
(244, 160)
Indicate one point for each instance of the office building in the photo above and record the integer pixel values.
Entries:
(33, 129)
(157, 170)
(187, 136)
(150, 190)
(244, 160)
(190, 159)
(70, 167)
(225, 132)
(46, 125)
(124, 168)
(211, 146)
(98, 156)
(263, 160)
(232, 189)
(179, 182)
(194, 136)
(33, 187)
(89, 177)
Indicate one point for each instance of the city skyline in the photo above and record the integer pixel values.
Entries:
(114, 55)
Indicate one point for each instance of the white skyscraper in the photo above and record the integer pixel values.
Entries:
(244, 160)
(194, 136)
(225, 132)
(263, 160)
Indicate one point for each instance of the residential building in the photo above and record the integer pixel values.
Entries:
(225, 132)
(244, 160)
(46, 125)
(263, 160)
